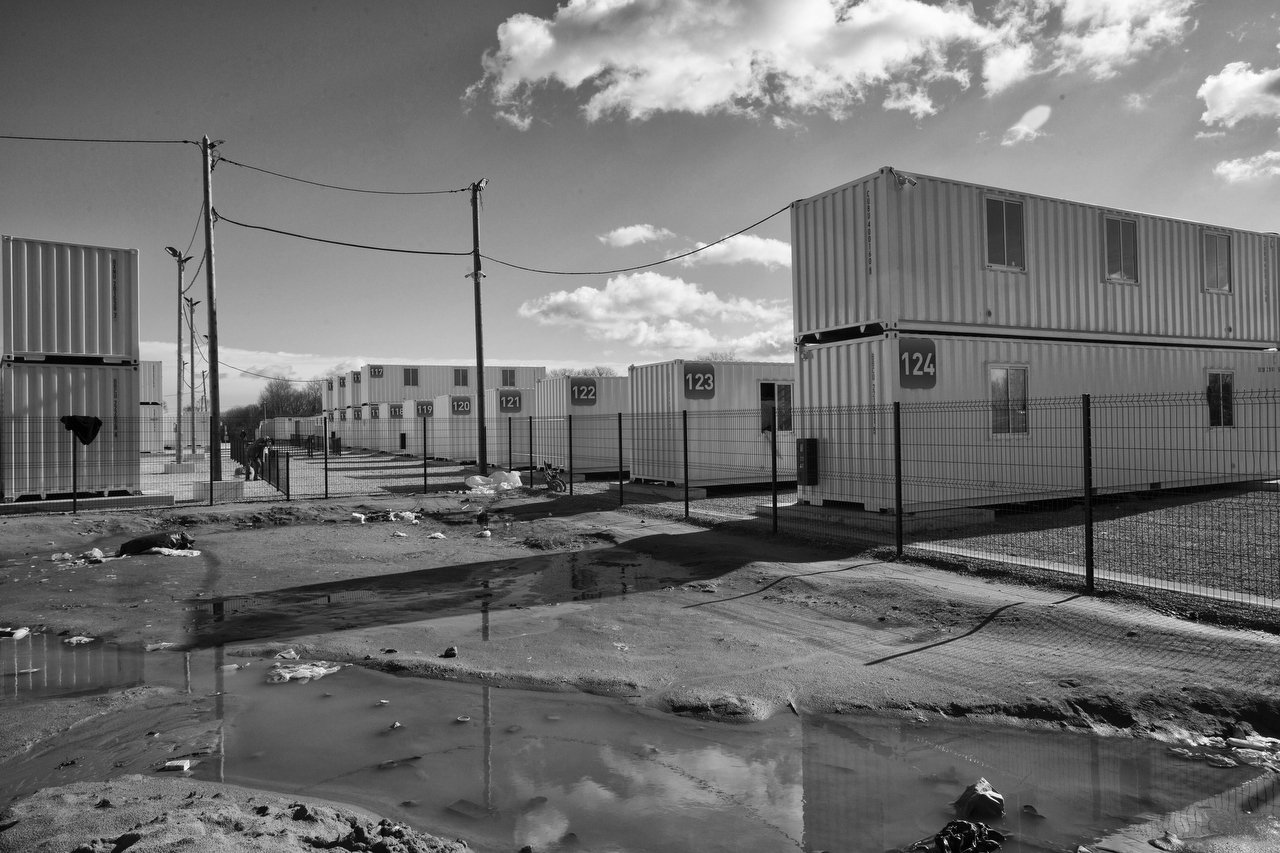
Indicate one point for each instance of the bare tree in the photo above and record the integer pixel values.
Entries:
(598, 370)
(282, 398)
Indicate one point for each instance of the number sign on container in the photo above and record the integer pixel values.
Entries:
(917, 363)
(509, 401)
(699, 380)
(460, 405)
(427, 409)
(582, 391)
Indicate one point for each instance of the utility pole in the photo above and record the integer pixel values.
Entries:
(177, 443)
(476, 275)
(215, 431)
(191, 330)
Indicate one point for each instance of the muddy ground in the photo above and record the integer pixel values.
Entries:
(681, 618)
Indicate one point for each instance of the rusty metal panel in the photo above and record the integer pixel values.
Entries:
(36, 450)
(67, 299)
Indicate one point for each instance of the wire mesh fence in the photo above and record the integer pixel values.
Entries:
(1154, 492)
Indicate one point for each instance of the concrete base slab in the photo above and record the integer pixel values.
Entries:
(938, 519)
(223, 490)
(86, 504)
(669, 493)
(180, 467)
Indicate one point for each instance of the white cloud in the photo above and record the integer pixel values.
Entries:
(658, 313)
(1135, 102)
(771, 60)
(636, 58)
(744, 249)
(630, 235)
(1028, 127)
(1239, 93)
(1249, 169)
(1007, 65)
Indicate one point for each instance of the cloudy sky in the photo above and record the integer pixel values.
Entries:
(617, 137)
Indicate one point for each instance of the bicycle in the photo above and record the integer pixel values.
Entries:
(554, 481)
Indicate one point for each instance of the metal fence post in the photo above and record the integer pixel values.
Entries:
(897, 478)
(684, 433)
(511, 453)
(75, 479)
(324, 425)
(424, 455)
(1086, 444)
(569, 429)
(193, 453)
(530, 450)
(620, 460)
(287, 495)
(773, 453)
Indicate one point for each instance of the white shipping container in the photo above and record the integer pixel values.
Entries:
(151, 428)
(454, 428)
(507, 412)
(67, 299)
(151, 382)
(962, 449)
(392, 383)
(728, 437)
(587, 406)
(883, 253)
(36, 450)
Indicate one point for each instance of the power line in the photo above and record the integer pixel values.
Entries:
(222, 159)
(220, 218)
(639, 266)
(123, 141)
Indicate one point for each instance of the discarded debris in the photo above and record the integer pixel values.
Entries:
(179, 764)
(288, 654)
(155, 647)
(451, 652)
(962, 836)
(14, 633)
(77, 641)
(300, 672)
(436, 535)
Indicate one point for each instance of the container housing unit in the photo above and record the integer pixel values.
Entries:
(152, 433)
(454, 432)
(40, 458)
(927, 292)
(507, 435)
(729, 406)
(576, 424)
(66, 300)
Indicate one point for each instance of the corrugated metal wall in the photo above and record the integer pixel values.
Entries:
(874, 251)
(36, 451)
(594, 403)
(952, 457)
(506, 415)
(66, 299)
(151, 382)
(453, 426)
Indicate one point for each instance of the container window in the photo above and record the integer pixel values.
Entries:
(508, 377)
(1005, 234)
(1220, 397)
(1008, 400)
(1217, 262)
(1122, 250)
(411, 376)
(775, 396)
(342, 382)
(460, 376)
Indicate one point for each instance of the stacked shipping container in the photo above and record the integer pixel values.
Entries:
(913, 289)
(69, 323)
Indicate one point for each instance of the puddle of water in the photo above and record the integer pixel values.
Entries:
(508, 768)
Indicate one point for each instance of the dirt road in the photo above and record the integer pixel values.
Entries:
(682, 618)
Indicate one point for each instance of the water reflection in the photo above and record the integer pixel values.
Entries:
(506, 768)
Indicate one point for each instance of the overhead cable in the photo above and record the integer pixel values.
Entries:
(223, 159)
(124, 141)
(220, 218)
(638, 266)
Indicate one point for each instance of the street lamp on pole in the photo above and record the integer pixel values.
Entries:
(182, 262)
(191, 330)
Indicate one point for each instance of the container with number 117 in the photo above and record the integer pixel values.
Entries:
(727, 436)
